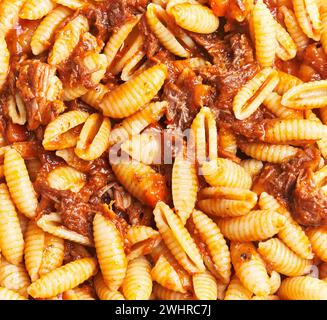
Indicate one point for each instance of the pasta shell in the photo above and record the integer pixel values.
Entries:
(7, 294)
(9, 10)
(253, 93)
(73, 4)
(4, 61)
(252, 166)
(236, 291)
(323, 10)
(135, 93)
(34, 9)
(103, 292)
(205, 286)
(318, 239)
(286, 48)
(163, 293)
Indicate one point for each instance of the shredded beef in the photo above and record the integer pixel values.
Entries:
(315, 57)
(39, 87)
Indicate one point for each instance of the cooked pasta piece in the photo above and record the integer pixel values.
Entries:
(195, 18)
(318, 239)
(306, 96)
(323, 12)
(184, 186)
(252, 166)
(7, 294)
(264, 28)
(225, 172)
(78, 293)
(163, 293)
(137, 284)
(9, 10)
(286, 48)
(57, 134)
(14, 277)
(165, 275)
(157, 18)
(284, 260)
(250, 268)
(275, 281)
(227, 143)
(11, 237)
(286, 82)
(178, 239)
(300, 38)
(226, 202)
(130, 96)
(303, 288)
(292, 234)
(269, 152)
(52, 224)
(135, 123)
(204, 135)
(270, 297)
(205, 286)
(94, 96)
(94, 137)
(4, 60)
(216, 244)
(110, 252)
(35, 9)
(67, 39)
(273, 104)
(103, 291)
(288, 130)
(253, 93)
(307, 15)
(64, 278)
(16, 109)
(236, 291)
(255, 226)
(141, 181)
(73, 4)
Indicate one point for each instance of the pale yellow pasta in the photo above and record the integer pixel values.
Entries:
(103, 291)
(300, 38)
(135, 123)
(184, 186)
(33, 251)
(275, 281)
(14, 277)
(78, 293)
(67, 39)
(73, 4)
(157, 18)
(307, 15)
(264, 34)
(11, 237)
(273, 104)
(270, 297)
(283, 260)
(323, 40)
(195, 18)
(9, 10)
(117, 39)
(320, 176)
(252, 166)
(137, 284)
(288, 130)
(94, 137)
(286, 82)
(204, 135)
(253, 93)
(140, 233)
(255, 226)
(144, 147)
(318, 239)
(132, 66)
(110, 252)
(130, 96)
(53, 254)
(52, 224)
(286, 48)
(94, 96)
(303, 288)
(64, 278)
(165, 274)
(273, 153)
(44, 33)
(205, 286)
(226, 201)
(35, 9)
(7, 294)
(4, 60)
(216, 244)
(16, 109)
(306, 96)
(141, 181)
(57, 130)
(250, 268)
(225, 172)
(292, 233)
(236, 291)
(163, 293)
(178, 239)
